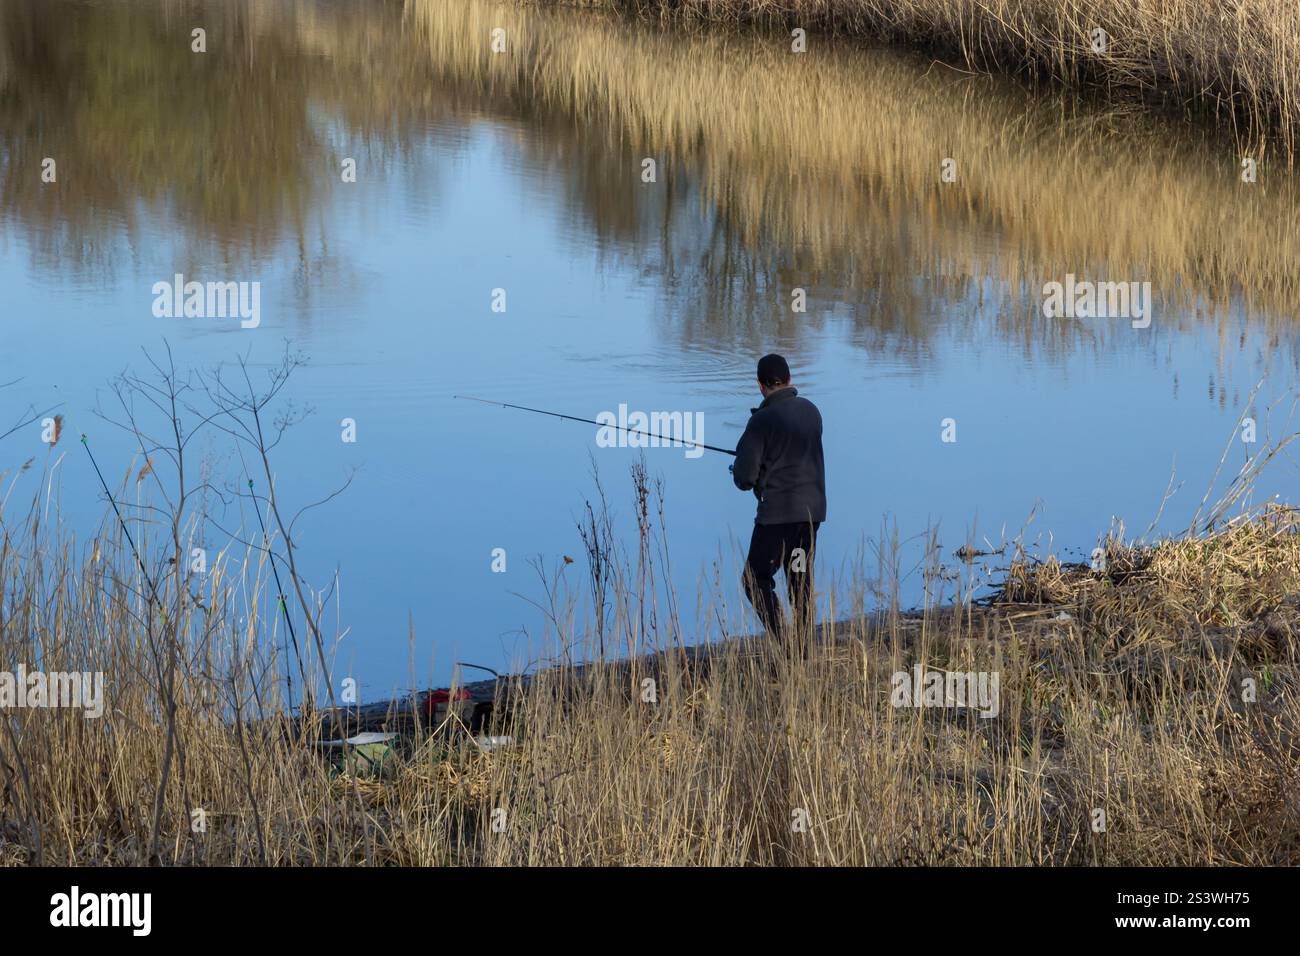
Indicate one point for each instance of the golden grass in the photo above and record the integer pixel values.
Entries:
(1237, 59)
(735, 749)
(1241, 579)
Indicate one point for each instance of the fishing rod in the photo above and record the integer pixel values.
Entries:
(588, 421)
(153, 593)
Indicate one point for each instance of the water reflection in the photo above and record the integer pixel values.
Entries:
(775, 171)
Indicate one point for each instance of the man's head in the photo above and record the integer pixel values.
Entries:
(773, 373)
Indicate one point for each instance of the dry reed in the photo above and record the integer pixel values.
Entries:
(1131, 704)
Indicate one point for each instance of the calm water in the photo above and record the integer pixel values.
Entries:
(522, 171)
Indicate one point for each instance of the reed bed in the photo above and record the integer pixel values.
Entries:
(1120, 694)
(1241, 579)
(1233, 59)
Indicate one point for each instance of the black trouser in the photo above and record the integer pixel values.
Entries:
(774, 547)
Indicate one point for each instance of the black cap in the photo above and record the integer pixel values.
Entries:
(773, 370)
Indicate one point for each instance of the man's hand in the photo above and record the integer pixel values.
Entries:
(732, 468)
(748, 463)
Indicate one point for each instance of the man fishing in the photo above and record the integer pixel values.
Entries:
(779, 458)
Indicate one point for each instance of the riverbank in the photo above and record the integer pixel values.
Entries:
(1238, 63)
(1142, 712)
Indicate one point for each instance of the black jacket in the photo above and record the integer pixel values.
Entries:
(780, 458)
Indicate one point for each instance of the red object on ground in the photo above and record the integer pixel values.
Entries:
(435, 697)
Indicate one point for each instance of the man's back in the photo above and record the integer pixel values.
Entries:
(780, 458)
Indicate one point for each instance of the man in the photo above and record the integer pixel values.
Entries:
(780, 458)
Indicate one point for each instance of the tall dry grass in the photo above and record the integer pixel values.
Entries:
(1235, 59)
(746, 754)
